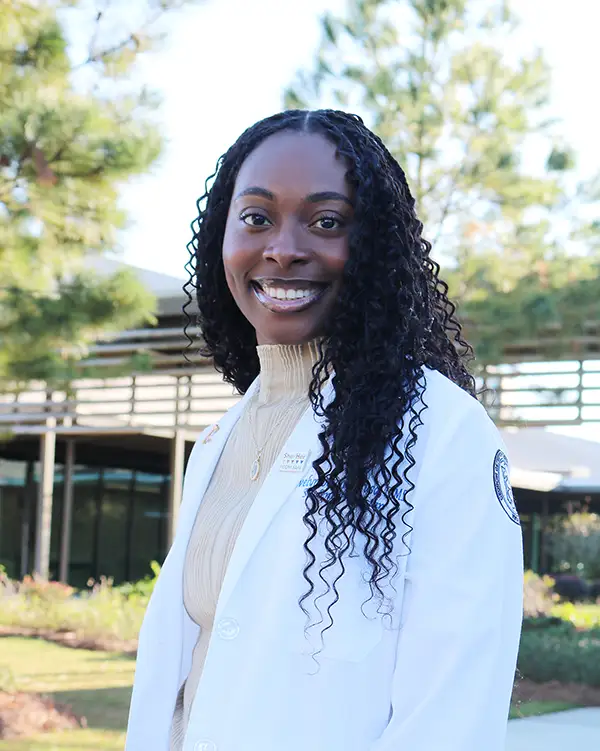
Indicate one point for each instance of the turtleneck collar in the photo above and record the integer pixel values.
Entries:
(286, 370)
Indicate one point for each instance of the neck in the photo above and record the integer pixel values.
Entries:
(286, 370)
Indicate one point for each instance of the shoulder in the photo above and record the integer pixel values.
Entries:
(451, 410)
(464, 465)
(458, 437)
(211, 434)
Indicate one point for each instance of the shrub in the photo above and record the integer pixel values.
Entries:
(538, 597)
(571, 587)
(143, 587)
(581, 616)
(560, 653)
(36, 589)
(103, 612)
(541, 622)
(574, 542)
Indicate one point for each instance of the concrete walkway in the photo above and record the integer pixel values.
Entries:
(573, 730)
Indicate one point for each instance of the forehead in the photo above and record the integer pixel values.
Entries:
(289, 161)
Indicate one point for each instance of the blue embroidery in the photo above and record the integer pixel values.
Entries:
(503, 487)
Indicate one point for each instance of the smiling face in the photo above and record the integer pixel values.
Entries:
(286, 238)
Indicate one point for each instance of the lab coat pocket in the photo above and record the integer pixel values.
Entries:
(357, 627)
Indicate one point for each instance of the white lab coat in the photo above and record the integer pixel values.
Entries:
(438, 677)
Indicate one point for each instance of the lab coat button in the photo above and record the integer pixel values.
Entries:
(205, 746)
(228, 628)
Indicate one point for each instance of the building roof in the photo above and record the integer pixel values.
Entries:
(161, 285)
(542, 460)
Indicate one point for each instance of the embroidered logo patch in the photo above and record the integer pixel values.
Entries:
(503, 487)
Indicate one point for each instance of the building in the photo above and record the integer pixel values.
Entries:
(90, 480)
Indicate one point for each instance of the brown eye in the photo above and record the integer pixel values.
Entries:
(328, 223)
(252, 219)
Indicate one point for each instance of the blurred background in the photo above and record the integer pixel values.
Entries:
(112, 116)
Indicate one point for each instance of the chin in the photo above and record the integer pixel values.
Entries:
(287, 335)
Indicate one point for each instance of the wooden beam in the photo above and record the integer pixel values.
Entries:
(44, 503)
(65, 542)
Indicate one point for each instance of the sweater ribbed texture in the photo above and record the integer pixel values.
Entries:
(267, 422)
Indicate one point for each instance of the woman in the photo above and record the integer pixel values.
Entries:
(347, 572)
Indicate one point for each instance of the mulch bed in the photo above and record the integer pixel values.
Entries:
(572, 693)
(70, 639)
(23, 714)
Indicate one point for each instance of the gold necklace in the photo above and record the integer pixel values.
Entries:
(255, 466)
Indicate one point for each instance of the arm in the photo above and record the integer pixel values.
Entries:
(462, 612)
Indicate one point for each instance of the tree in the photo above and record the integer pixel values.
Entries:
(439, 82)
(73, 127)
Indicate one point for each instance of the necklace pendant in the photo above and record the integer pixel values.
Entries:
(255, 469)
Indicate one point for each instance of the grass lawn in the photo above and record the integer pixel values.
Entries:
(536, 708)
(98, 686)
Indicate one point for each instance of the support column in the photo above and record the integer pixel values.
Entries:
(535, 542)
(44, 504)
(65, 542)
(543, 539)
(176, 485)
(28, 501)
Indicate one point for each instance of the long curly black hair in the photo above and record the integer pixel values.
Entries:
(392, 318)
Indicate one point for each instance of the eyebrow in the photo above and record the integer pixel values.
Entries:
(324, 195)
(328, 195)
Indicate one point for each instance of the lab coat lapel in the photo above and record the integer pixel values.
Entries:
(200, 473)
(168, 633)
(276, 489)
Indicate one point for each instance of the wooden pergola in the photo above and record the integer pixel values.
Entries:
(173, 399)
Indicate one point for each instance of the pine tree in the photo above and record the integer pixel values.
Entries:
(440, 82)
(73, 128)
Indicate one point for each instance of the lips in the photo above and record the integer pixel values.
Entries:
(290, 296)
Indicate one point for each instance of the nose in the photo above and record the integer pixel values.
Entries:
(286, 248)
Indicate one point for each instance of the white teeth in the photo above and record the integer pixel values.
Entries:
(278, 293)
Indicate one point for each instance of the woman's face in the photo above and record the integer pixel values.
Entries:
(286, 238)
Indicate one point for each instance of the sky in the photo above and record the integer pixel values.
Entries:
(226, 63)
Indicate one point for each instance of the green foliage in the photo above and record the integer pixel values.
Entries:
(103, 612)
(560, 653)
(142, 588)
(73, 127)
(506, 301)
(574, 542)
(7, 679)
(433, 79)
(45, 334)
(580, 616)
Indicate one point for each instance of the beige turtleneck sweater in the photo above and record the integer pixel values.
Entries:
(266, 423)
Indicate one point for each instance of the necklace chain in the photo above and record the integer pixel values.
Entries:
(255, 467)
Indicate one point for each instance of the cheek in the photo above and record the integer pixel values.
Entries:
(337, 261)
(235, 257)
